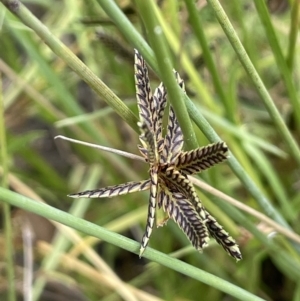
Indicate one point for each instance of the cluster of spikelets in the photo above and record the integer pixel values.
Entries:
(170, 166)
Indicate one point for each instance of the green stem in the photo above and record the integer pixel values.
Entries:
(286, 75)
(184, 60)
(294, 27)
(125, 243)
(60, 243)
(73, 61)
(252, 73)
(195, 20)
(176, 97)
(9, 251)
(129, 31)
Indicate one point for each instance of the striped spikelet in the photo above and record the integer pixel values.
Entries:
(169, 167)
(111, 191)
(182, 211)
(222, 237)
(200, 159)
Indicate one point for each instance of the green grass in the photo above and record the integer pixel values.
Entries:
(58, 78)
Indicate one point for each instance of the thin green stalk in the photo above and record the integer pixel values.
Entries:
(238, 11)
(241, 133)
(158, 42)
(195, 20)
(294, 28)
(129, 31)
(60, 242)
(9, 251)
(125, 243)
(272, 178)
(286, 75)
(252, 73)
(72, 60)
(175, 44)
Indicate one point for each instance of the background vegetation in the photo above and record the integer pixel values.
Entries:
(244, 91)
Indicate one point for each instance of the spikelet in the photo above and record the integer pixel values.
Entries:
(160, 100)
(147, 110)
(200, 159)
(111, 191)
(222, 237)
(151, 209)
(173, 141)
(182, 211)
